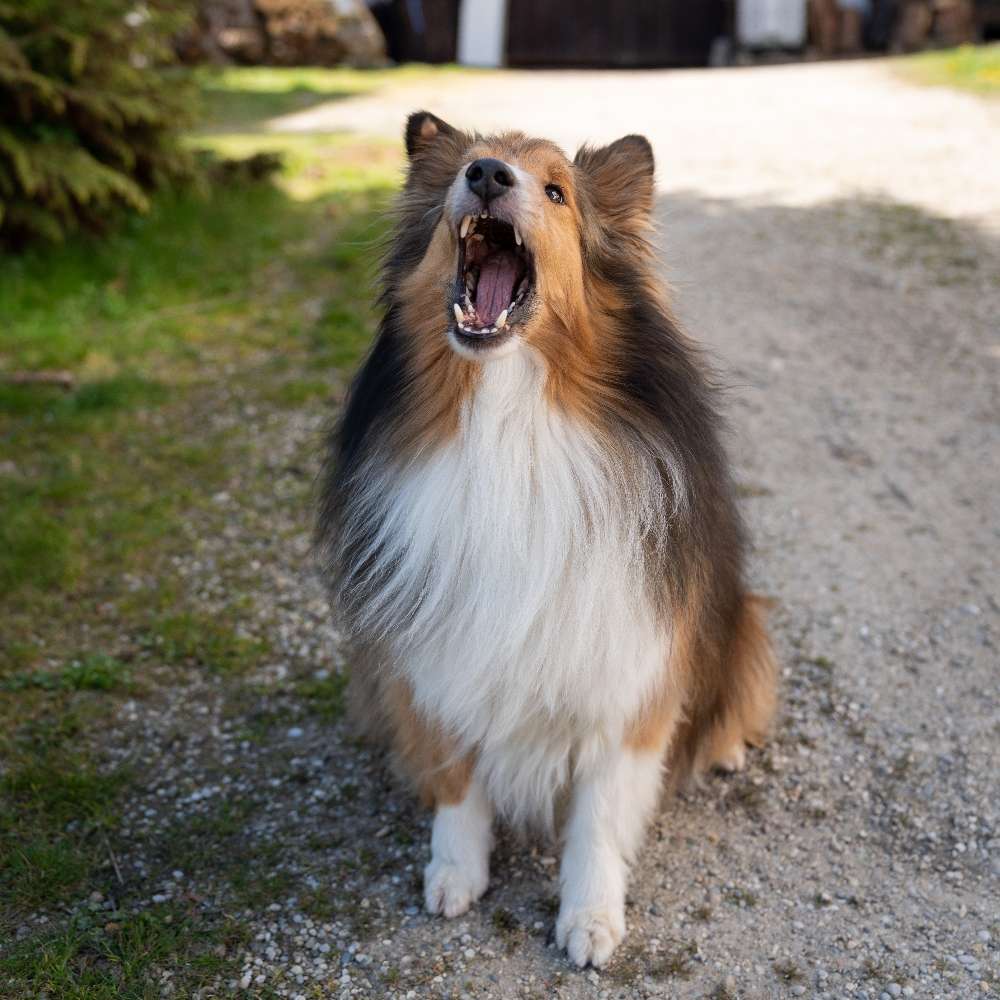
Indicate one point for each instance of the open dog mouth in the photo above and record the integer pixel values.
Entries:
(494, 280)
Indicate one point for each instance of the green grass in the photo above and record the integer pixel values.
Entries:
(184, 332)
(91, 672)
(90, 494)
(204, 641)
(116, 956)
(324, 695)
(970, 67)
(159, 288)
(163, 325)
(55, 809)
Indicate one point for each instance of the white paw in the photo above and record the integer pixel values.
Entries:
(590, 935)
(450, 889)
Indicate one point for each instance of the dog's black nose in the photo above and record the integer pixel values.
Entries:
(489, 178)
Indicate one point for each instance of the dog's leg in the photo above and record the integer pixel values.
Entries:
(459, 870)
(462, 836)
(610, 809)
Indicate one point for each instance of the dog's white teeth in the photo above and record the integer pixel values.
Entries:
(484, 214)
(466, 222)
(517, 236)
(458, 313)
(502, 320)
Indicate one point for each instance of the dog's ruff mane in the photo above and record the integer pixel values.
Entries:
(517, 589)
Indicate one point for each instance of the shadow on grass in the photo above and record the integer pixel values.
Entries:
(246, 99)
(242, 111)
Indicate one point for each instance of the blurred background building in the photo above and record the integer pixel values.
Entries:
(671, 32)
(588, 33)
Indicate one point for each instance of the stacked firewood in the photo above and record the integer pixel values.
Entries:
(848, 26)
(283, 33)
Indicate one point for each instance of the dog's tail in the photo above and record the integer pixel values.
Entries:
(734, 703)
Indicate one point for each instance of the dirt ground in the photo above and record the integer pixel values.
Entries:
(833, 236)
(792, 135)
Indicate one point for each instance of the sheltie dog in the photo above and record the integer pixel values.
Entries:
(529, 525)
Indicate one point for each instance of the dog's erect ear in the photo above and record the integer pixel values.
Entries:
(619, 180)
(423, 129)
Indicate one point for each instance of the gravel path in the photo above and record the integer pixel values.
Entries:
(832, 235)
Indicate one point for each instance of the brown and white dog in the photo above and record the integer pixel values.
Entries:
(529, 521)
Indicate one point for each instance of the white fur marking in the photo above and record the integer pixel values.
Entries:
(517, 604)
(459, 869)
(486, 353)
(608, 818)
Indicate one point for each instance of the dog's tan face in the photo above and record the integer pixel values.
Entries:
(512, 212)
(519, 226)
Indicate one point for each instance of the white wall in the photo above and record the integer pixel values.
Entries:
(482, 32)
(771, 23)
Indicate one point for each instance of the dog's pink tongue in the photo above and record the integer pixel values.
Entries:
(497, 277)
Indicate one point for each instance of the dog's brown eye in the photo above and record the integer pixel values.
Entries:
(555, 194)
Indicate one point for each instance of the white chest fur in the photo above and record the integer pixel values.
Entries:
(517, 607)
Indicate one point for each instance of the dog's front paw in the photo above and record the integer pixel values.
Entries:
(731, 759)
(590, 935)
(450, 889)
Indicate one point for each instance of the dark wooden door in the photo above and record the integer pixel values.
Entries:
(419, 30)
(632, 33)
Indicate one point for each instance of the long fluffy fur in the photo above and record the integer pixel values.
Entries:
(544, 555)
(516, 588)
